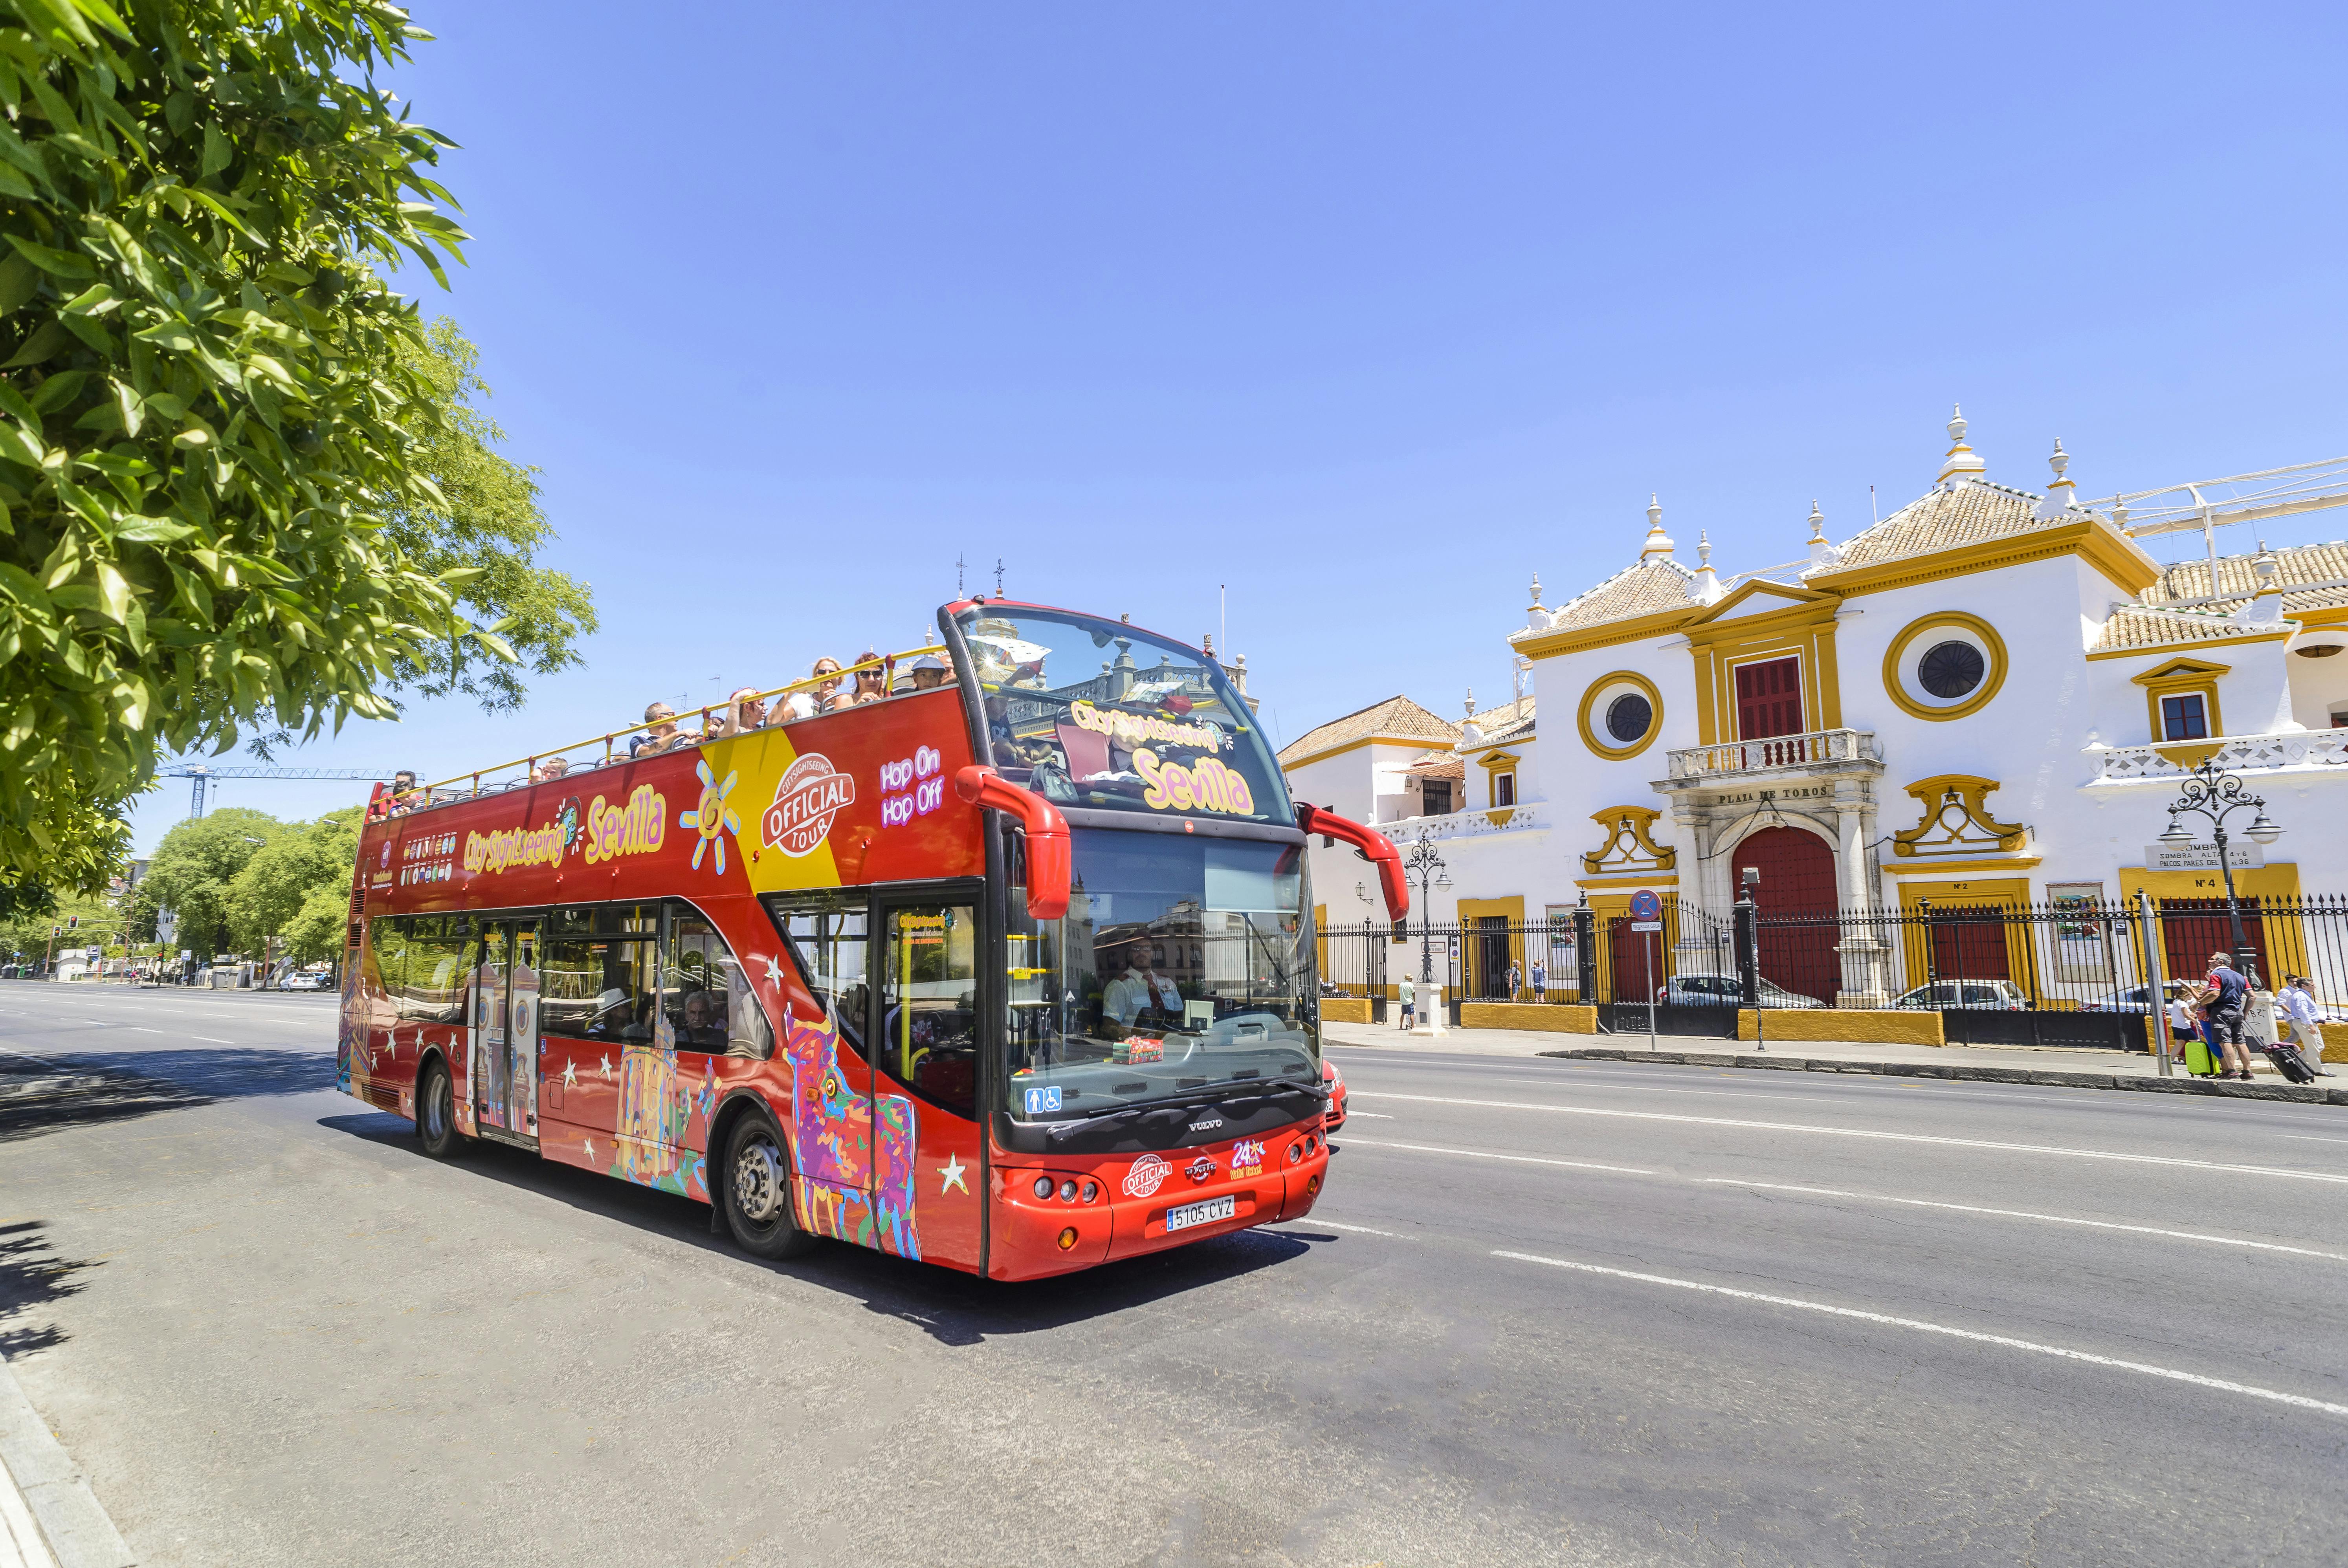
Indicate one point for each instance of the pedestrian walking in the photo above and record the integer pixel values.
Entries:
(2297, 1006)
(2225, 996)
(1540, 980)
(1516, 981)
(1409, 1003)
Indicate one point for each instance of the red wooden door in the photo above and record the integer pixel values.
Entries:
(1769, 698)
(1798, 902)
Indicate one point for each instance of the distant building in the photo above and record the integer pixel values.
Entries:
(1990, 696)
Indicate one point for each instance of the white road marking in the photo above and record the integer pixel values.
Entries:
(142, 1028)
(1484, 1154)
(2019, 1215)
(2004, 1341)
(1334, 1225)
(1868, 1132)
(2310, 1138)
(1373, 1115)
(208, 1039)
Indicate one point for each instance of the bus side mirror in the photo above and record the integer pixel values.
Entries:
(1047, 835)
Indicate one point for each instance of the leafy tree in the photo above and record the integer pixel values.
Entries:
(26, 930)
(213, 420)
(282, 875)
(319, 928)
(193, 870)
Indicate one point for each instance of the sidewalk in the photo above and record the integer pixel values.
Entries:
(48, 1516)
(1996, 1064)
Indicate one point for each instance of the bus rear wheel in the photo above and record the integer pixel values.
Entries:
(755, 1191)
(436, 1113)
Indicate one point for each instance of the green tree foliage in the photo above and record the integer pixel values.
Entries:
(212, 414)
(193, 870)
(266, 895)
(26, 930)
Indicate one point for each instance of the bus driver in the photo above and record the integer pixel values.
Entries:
(1139, 988)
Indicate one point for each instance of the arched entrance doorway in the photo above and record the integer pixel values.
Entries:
(1798, 902)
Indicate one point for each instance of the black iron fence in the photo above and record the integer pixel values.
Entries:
(2068, 972)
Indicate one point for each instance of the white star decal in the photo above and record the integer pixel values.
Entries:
(570, 1075)
(589, 1146)
(773, 969)
(952, 1172)
(607, 1067)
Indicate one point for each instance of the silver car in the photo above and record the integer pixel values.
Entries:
(1710, 991)
(1941, 995)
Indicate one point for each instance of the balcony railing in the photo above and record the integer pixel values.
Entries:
(2310, 751)
(1819, 748)
(1470, 822)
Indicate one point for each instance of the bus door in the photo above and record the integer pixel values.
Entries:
(925, 1052)
(504, 1030)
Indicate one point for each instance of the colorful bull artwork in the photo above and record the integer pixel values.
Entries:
(831, 1139)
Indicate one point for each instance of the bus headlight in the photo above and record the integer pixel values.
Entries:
(1043, 1186)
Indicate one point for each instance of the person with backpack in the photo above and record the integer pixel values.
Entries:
(2224, 996)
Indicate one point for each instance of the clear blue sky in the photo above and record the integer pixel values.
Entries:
(1368, 311)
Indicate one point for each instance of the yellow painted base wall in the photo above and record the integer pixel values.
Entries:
(1557, 1017)
(1344, 1009)
(1893, 1027)
(2336, 1042)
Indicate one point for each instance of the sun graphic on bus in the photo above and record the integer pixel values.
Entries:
(713, 818)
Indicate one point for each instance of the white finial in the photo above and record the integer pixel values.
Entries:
(2062, 493)
(1707, 581)
(1659, 543)
(1817, 523)
(1962, 462)
(1824, 557)
(1537, 603)
(1471, 701)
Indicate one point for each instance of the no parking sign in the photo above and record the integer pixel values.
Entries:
(1646, 910)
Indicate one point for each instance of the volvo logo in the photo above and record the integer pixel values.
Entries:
(1199, 1169)
(1207, 1125)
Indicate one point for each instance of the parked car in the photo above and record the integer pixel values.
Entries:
(308, 980)
(1941, 995)
(1703, 990)
(1335, 1117)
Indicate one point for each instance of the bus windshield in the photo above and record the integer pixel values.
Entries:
(1185, 963)
(1090, 713)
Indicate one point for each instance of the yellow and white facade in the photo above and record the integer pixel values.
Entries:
(1991, 695)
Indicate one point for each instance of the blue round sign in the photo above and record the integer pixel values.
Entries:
(1645, 906)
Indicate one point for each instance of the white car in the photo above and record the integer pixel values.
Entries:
(1941, 995)
(308, 980)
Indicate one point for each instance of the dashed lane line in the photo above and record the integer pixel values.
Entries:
(1868, 1132)
(1487, 1155)
(2003, 1341)
(2020, 1214)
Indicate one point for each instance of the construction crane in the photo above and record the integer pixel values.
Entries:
(203, 774)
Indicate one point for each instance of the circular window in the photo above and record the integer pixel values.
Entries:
(1944, 666)
(1950, 670)
(1627, 717)
(1622, 713)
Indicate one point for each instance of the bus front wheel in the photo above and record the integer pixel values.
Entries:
(435, 1114)
(756, 1192)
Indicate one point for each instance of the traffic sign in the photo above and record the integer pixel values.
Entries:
(1645, 906)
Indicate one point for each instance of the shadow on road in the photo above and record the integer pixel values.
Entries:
(144, 1082)
(31, 1276)
(952, 1308)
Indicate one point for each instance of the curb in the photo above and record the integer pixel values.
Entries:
(2306, 1094)
(41, 1486)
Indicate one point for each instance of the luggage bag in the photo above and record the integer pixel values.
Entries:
(2289, 1062)
(2197, 1058)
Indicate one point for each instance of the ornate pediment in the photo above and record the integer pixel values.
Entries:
(1630, 844)
(1956, 822)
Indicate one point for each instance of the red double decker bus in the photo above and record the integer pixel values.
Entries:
(1009, 970)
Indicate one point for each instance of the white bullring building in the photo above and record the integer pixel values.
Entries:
(1989, 697)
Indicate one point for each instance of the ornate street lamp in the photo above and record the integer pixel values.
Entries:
(1426, 867)
(2211, 792)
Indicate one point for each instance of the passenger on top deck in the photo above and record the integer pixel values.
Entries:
(662, 735)
(404, 794)
(809, 700)
(871, 679)
(928, 673)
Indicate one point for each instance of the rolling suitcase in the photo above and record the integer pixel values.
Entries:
(2197, 1058)
(2289, 1062)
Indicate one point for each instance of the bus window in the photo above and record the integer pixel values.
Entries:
(710, 1004)
(427, 976)
(597, 987)
(929, 1002)
(826, 935)
(387, 950)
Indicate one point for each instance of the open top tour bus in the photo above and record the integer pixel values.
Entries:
(1010, 969)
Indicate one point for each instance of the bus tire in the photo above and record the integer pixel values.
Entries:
(754, 1187)
(436, 1113)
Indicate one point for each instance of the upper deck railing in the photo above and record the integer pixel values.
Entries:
(719, 721)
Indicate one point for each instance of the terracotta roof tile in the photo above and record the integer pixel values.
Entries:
(2134, 626)
(2236, 578)
(1640, 589)
(1398, 717)
(1968, 512)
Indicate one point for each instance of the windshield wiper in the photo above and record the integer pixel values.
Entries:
(1176, 1107)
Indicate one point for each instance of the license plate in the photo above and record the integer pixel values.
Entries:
(1207, 1213)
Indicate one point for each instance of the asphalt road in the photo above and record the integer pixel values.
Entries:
(1549, 1312)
